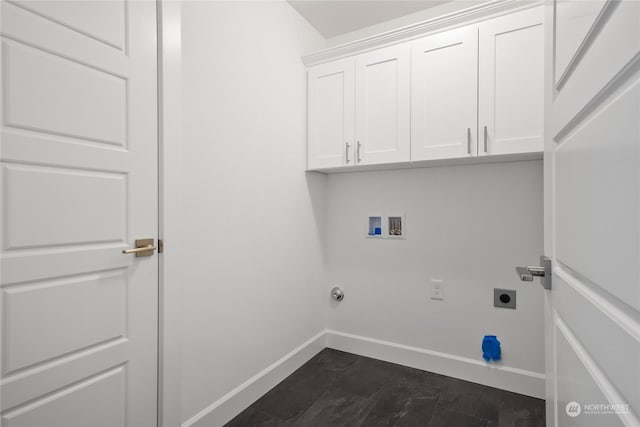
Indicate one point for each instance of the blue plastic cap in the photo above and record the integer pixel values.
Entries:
(491, 348)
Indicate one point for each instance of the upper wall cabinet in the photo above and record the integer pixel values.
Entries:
(444, 82)
(331, 115)
(511, 101)
(467, 92)
(359, 110)
(382, 106)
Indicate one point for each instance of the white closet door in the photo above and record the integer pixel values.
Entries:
(444, 95)
(79, 175)
(592, 212)
(511, 84)
(331, 103)
(382, 106)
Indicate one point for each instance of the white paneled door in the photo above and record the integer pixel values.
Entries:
(79, 185)
(592, 212)
(444, 85)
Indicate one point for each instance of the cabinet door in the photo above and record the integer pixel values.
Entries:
(382, 106)
(444, 95)
(511, 84)
(331, 115)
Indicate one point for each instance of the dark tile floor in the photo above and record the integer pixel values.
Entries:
(342, 389)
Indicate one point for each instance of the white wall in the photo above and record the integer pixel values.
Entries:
(258, 235)
(468, 225)
(248, 248)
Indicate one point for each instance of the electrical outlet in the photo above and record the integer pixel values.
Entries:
(437, 289)
(505, 298)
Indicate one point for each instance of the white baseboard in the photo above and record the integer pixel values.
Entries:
(503, 377)
(228, 406)
(477, 371)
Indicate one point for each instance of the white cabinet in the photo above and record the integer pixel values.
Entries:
(383, 90)
(467, 92)
(478, 90)
(444, 81)
(359, 110)
(511, 99)
(331, 114)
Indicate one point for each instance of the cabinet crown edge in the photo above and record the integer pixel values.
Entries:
(466, 16)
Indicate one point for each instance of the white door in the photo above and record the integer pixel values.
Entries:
(592, 209)
(79, 185)
(444, 95)
(383, 85)
(331, 116)
(511, 82)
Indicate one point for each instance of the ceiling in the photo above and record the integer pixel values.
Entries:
(332, 18)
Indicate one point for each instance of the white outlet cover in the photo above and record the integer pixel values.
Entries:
(437, 289)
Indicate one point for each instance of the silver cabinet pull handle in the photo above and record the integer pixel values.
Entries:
(485, 139)
(346, 151)
(468, 140)
(358, 159)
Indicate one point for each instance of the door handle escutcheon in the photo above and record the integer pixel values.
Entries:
(144, 247)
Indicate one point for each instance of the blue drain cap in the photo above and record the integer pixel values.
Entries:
(491, 348)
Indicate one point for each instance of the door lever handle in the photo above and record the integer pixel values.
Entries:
(144, 247)
(542, 271)
(139, 250)
(527, 273)
(524, 274)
